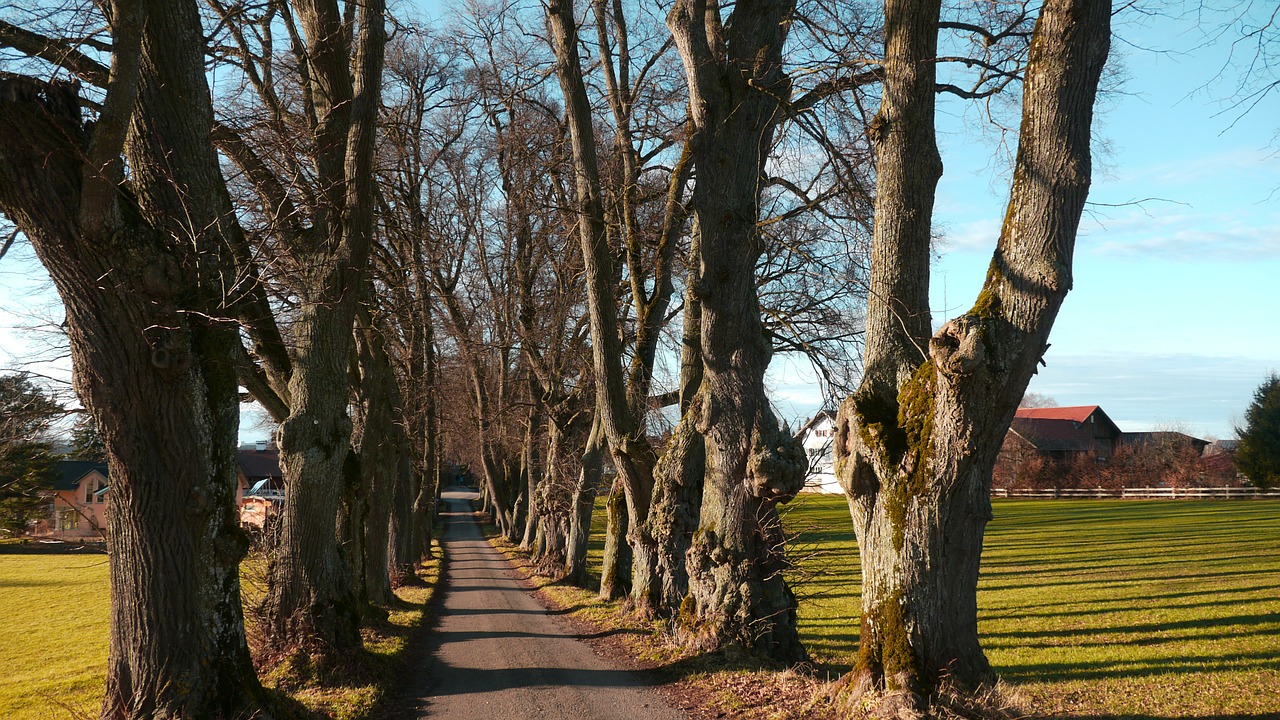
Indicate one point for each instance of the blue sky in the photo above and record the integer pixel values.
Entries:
(1173, 319)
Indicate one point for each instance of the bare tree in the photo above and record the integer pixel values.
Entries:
(320, 222)
(737, 90)
(916, 444)
(130, 216)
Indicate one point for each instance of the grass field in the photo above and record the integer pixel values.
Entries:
(53, 637)
(1091, 608)
(1151, 609)
(53, 641)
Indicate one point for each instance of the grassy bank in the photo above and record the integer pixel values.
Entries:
(53, 642)
(1090, 608)
(1148, 609)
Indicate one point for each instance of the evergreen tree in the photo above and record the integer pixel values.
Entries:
(86, 441)
(27, 412)
(1258, 455)
(27, 472)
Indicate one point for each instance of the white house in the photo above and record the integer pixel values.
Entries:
(817, 436)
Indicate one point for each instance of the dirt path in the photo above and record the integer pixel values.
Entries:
(499, 655)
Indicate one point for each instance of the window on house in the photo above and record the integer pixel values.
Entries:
(99, 495)
(88, 492)
(68, 520)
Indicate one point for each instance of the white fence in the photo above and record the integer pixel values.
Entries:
(1217, 493)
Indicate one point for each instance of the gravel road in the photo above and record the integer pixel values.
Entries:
(499, 655)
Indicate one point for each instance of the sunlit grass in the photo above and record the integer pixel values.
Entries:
(53, 641)
(1088, 608)
(1112, 608)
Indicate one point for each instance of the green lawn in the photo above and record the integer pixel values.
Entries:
(53, 639)
(1092, 608)
(1150, 609)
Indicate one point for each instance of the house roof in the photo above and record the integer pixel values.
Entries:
(1078, 413)
(1161, 437)
(1053, 435)
(71, 472)
(819, 417)
(260, 464)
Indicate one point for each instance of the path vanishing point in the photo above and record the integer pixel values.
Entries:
(497, 654)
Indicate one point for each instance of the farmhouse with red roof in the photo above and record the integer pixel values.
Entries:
(1060, 432)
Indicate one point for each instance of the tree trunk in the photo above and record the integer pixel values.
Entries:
(403, 544)
(916, 445)
(677, 506)
(737, 86)
(584, 502)
(312, 597)
(311, 604)
(615, 566)
(677, 490)
(532, 477)
(139, 263)
(379, 461)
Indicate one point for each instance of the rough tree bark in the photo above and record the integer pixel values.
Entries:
(615, 565)
(310, 603)
(737, 86)
(584, 500)
(379, 458)
(677, 503)
(142, 264)
(916, 444)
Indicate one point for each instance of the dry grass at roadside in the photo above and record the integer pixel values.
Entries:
(360, 686)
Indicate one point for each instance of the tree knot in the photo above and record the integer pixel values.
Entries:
(958, 348)
(777, 464)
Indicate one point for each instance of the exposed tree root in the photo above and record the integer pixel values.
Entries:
(857, 700)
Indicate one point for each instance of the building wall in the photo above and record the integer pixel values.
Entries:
(80, 513)
(817, 439)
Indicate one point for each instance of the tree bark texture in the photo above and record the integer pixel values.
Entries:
(916, 445)
(737, 86)
(140, 265)
(615, 565)
(678, 478)
(677, 505)
(311, 602)
(584, 501)
(633, 457)
(379, 459)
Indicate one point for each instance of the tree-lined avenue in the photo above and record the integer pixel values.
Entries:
(497, 653)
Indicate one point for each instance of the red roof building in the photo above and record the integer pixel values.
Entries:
(1062, 431)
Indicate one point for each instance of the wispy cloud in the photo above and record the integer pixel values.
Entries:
(1182, 237)
(972, 236)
